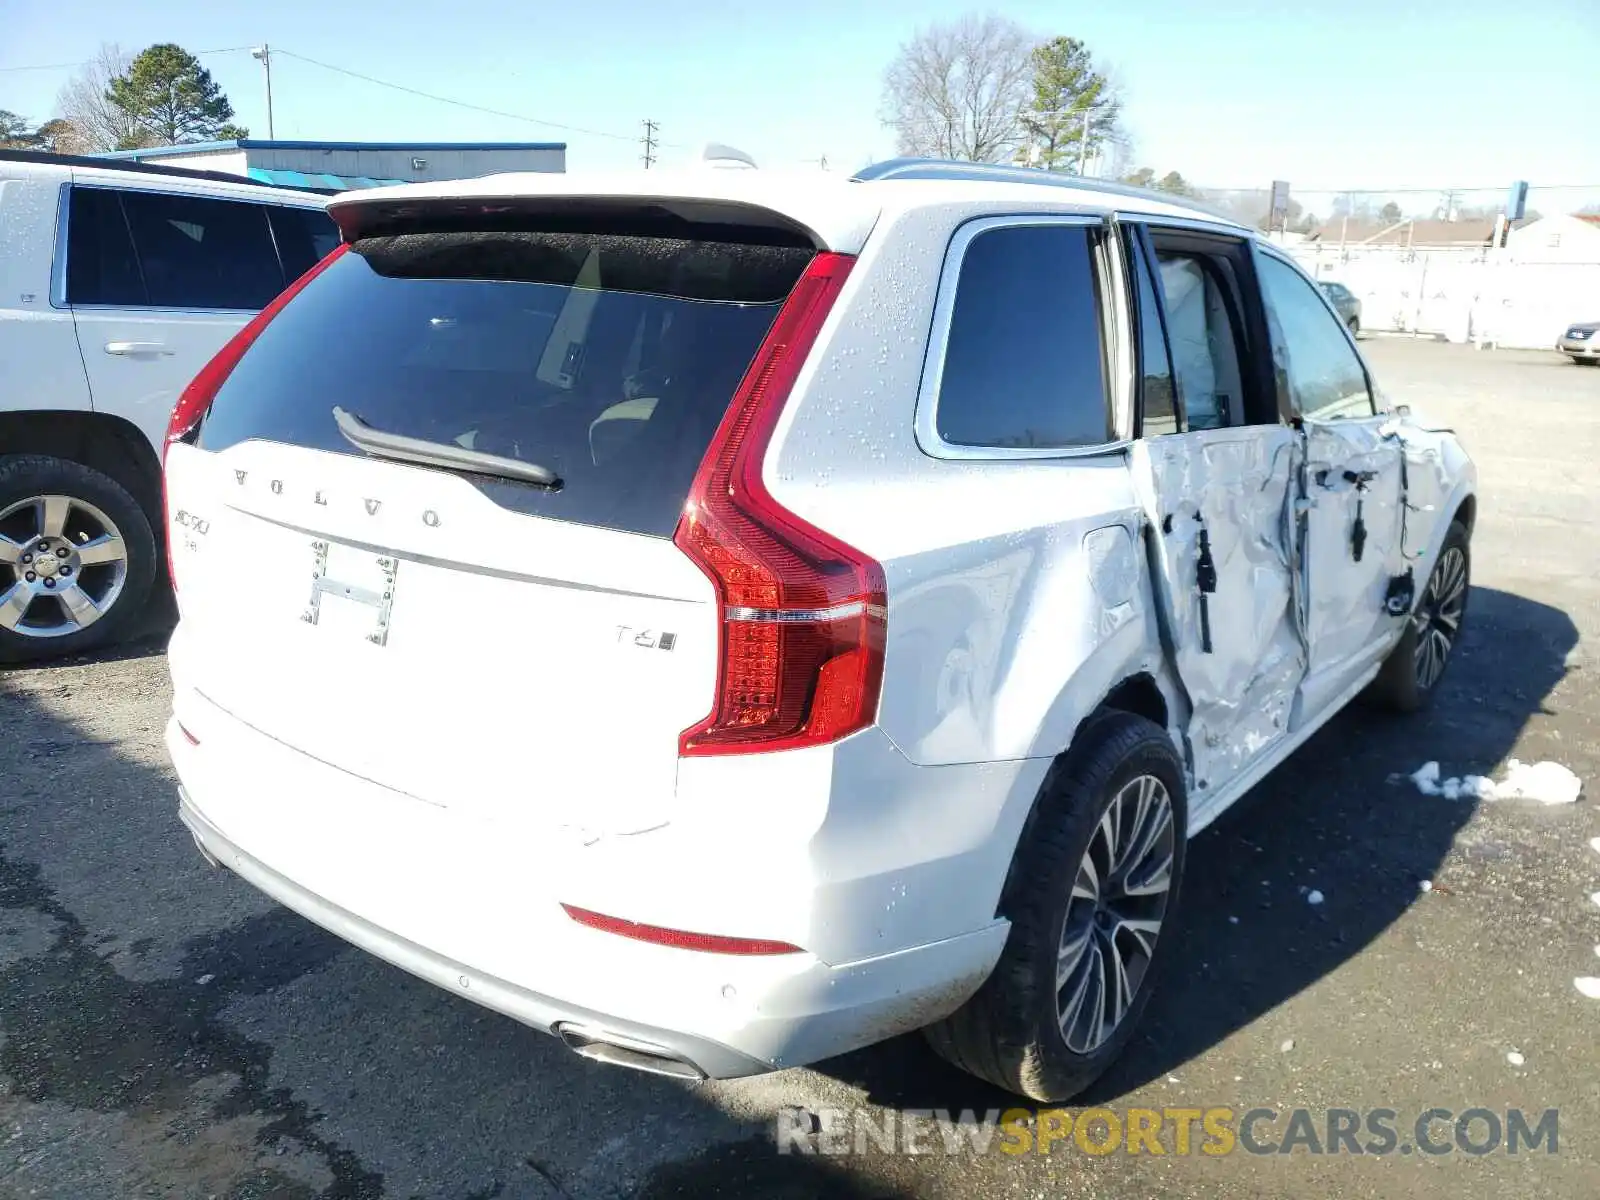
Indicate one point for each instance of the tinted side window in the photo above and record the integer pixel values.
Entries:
(1204, 342)
(201, 253)
(1311, 356)
(1024, 366)
(304, 237)
(1157, 407)
(101, 267)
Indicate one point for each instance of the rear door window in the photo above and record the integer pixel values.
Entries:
(304, 236)
(200, 253)
(101, 265)
(608, 359)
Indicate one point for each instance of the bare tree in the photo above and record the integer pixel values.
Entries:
(84, 102)
(957, 90)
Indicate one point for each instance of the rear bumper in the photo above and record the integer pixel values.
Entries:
(475, 908)
(710, 1059)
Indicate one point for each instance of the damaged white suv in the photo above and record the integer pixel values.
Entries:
(725, 620)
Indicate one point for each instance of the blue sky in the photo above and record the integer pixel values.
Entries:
(1354, 95)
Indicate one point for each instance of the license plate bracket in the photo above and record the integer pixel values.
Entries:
(351, 589)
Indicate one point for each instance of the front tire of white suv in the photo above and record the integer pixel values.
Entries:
(1091, 890)
(77, 558)
(1410, 675)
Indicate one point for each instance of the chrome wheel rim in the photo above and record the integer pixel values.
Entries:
(63, 564)
(1438, 617)
(1114, 915)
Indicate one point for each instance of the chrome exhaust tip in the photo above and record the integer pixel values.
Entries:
(621, 1051)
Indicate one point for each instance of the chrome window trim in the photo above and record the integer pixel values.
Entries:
(1115, 345)
(58, 262)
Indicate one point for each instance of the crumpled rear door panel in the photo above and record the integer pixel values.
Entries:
(1219, 500)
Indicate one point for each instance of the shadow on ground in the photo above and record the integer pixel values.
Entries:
(1329, 818)
(386, 1086)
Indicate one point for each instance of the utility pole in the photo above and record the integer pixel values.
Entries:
(264, 54)
(649, 140)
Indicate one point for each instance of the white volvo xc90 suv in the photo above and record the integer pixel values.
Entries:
(727, 619)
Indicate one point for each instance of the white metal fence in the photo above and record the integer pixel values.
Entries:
(1466, 294)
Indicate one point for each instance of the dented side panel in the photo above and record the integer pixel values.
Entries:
(1219, 501)
(1353, 482)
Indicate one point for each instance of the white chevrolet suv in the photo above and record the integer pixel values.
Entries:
(727, 619)
(118, 281)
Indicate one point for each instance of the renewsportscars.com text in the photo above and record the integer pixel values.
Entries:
(1212, 1132)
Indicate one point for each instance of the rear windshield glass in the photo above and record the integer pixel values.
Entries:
(607, 359)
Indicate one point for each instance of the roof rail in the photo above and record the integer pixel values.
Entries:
(139, 168)
(949, 168)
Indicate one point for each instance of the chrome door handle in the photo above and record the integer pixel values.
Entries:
(130, 348)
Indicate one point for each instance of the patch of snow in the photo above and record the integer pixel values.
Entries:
(1594, 844)
(1515, 1059)
(1588, 985)
(1288, 1045)
(1426, 885)
(1596, 898)
(1426, 777)
(1541, 782)
(1314, 897)
(205, 979)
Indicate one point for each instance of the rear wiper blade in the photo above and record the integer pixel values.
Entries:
(382, 444)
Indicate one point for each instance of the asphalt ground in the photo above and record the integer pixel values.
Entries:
(167, 1031)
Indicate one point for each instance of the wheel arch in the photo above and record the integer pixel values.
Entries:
(111, 445)
(1142, 688)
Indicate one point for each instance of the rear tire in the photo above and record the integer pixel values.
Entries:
(98, 508)
(1410, 675)
(1038, 1026)
(1355, 327)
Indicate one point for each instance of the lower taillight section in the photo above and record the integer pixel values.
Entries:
(802, 613)
(709, 943)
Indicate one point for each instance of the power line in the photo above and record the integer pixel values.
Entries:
(494, 112)
(84, 63)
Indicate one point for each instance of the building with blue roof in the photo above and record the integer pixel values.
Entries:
(342, 166)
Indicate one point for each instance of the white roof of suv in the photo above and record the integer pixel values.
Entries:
(837, 211)
(85, 169)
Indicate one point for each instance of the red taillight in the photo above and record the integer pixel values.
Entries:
(802, 615)
(709, 943)
(196, 399)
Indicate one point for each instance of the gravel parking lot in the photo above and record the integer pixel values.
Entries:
(166, 1031)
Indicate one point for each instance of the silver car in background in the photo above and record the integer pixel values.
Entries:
(1345, 303)
(1581, 342)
